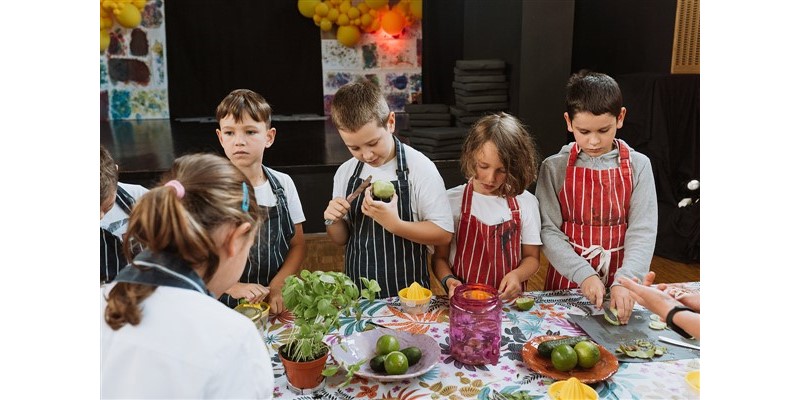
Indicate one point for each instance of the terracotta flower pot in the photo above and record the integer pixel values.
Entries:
(304, 375)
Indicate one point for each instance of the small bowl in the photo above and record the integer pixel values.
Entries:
(258, 313)
(410, 306)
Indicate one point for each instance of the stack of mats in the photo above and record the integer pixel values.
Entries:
(480, 88)
(428, 115)
(437, 143)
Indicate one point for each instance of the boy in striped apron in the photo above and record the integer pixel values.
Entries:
(597, 199)
(116, 203)
(278, 251)
(384, 241)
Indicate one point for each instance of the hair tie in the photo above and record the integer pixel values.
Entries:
(178, 187)
(245, 198)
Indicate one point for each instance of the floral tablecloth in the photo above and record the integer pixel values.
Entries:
(453, 380)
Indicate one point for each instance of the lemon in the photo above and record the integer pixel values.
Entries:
(387, 344)
(588, 354)
(524, 303)
(564, 358)
(396, 363)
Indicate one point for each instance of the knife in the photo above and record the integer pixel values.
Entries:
(678, 342)
(352, 196)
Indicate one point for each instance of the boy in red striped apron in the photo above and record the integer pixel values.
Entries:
(388, 242)
(597, 199)
(497, 221)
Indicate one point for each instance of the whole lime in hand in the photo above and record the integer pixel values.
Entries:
(588, 354)
(564, 358)
(383, 190)
(413, 354)
(524, 303)
(386, 344)
(395, 363)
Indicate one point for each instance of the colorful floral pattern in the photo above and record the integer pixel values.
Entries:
(453, 380)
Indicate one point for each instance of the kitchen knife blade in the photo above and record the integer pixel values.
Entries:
(678, 343)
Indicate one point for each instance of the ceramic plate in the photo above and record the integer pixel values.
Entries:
(603, 370)
(361, 345)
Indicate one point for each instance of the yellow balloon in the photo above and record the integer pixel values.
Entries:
(105, 39)
(325, 24)
(333, 14)
(353, 12)
(306, 7)
(106, 22)
(321, 9)
(343, 20)
(348, 35)
(392, 22)
(363, 7)
(366, 19)
(375, 4)
(129, 16)
(139, 4)
(416, 8)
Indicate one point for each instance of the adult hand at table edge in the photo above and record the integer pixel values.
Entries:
(649, 297)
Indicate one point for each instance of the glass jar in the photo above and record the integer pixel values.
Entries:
(475, 318)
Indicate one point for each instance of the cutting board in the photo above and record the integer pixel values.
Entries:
(610, 336)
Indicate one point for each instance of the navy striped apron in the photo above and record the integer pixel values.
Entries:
(271, 245)
(112, 257)
(374, 253)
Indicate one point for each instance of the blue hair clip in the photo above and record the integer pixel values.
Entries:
(246, 198)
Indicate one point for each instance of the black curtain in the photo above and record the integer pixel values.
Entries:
(215, 46)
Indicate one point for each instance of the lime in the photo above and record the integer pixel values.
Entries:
(564, 357)
(383, 190)
(395, 363)
(588, 354)
(413, 354)
(376, 363)
(524, 303)
(386, 344)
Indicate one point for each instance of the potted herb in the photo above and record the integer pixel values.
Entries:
(317, 300)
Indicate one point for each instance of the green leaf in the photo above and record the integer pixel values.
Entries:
(327, 279)
(330, 371)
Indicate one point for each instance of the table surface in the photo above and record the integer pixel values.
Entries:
(450, 379)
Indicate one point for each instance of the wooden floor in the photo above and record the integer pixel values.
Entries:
(322, 254)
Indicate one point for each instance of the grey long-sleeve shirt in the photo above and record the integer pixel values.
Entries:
(640, 237)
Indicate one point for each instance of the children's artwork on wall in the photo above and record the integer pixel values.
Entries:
(392, 62)
(133, 61)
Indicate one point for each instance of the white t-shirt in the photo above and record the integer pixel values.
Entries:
(187, 345)
(493, 210)
(266, 197)
(428, 198)
(116, 220)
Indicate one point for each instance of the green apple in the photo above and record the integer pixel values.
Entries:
(382, 190)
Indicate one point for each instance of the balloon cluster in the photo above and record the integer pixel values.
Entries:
(367, 16)
(127, 13)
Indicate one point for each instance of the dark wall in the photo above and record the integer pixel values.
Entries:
(623, 36)
(442, 45)
(215, 46)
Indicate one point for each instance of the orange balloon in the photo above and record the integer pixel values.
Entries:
(392, 22)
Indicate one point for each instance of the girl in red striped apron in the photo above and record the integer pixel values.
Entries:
(497, 220)
(597, 200)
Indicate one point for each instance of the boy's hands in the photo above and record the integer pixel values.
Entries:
(338, 207)
(622, 300)
(594, 290)
(253, 292)
(383, 213)
(452, 284)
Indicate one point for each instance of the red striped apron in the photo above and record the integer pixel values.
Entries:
(594, 208)
(486, 253)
